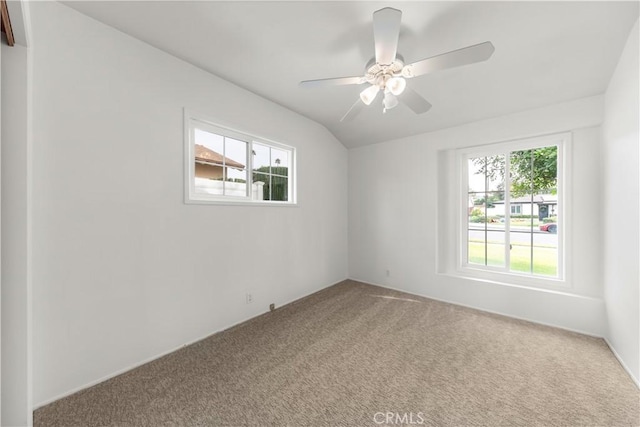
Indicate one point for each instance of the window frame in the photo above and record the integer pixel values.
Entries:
(502, 274)
(191, 122)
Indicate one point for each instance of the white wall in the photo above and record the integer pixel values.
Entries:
(620, 215)
(123, 270)
(14, 296)
(402, 194)
(0, 248)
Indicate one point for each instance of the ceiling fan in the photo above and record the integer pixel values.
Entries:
(387, 72)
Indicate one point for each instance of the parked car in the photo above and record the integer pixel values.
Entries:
(550, 227)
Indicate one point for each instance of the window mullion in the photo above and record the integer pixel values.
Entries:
(464, 218)
(507, 211)
(224, 166)
(560, 211)
(250, 169)
(486, 226)
(531, 221)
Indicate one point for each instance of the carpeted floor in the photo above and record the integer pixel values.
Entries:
(352, 355)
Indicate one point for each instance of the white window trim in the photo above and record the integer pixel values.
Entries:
(500, 275)
(190, 196)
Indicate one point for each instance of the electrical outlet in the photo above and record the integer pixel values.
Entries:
(249, 298)
(388, 273)
(272, 306)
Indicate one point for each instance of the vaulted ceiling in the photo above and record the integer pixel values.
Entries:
(545, 53)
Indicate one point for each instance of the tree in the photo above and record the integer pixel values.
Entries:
(489, 200)
(532, 171)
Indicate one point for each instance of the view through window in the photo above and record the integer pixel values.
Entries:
(512, 211)
(225, 165)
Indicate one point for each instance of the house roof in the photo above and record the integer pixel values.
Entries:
(210, 157)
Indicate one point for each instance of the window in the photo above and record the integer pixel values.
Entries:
(224, 165)
(512, 207)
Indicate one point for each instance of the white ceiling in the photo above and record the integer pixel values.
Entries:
(545, 52)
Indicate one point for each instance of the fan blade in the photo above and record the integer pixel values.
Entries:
(386, 28)
(415, 101)
(455, 58)
(353, 111)
(333, 82)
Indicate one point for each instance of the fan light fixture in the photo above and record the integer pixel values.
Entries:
(369, 94)
(396, 85)
(390, 101)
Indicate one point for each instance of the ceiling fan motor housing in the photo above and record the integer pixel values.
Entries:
(378, 74)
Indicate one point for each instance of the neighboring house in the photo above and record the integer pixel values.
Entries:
(211, 165)
(543, 206)
(210, 171)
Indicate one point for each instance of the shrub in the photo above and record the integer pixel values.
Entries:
(481, 218)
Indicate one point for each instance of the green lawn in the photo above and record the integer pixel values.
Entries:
(544, 258)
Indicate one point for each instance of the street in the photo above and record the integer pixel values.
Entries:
(518, 235)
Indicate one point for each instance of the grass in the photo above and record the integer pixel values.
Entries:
(545, 260)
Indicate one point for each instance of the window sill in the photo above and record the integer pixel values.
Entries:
(240, 203)
(550, 284)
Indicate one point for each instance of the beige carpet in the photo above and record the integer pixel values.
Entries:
(352, 353)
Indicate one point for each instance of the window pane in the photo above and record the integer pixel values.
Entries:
(495, 229)
(476, 246)
(279, 188)
(545, 170)
(261, 177)
(477, 212)
(520, 251)
(274, 188)
(520, 173)
(235, 173)
(486, 173)
(494, 204)
(279, 162)
(261, 183)
(209, 168)
(495, 247)
(212, 142)
(477, 178)
(545, 253)
(261, 158)
(495, 172)
(523, 214)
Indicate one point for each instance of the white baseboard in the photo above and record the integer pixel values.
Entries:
(624, 365)
(158, 356)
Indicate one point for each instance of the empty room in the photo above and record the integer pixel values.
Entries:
(320, 213)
